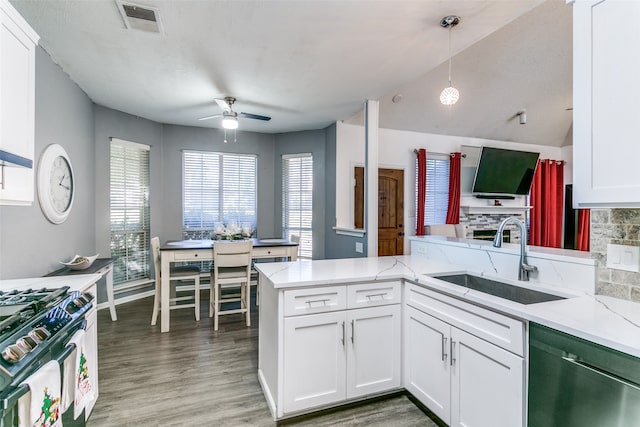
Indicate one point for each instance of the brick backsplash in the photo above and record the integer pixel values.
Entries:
(622, 227)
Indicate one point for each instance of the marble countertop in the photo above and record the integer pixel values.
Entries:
(567, 255)
(604, 320)
(76, 282)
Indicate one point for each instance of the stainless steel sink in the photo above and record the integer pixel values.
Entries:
(499, 289)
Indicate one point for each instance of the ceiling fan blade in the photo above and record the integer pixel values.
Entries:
(223, 104)
(210, 117)
(255, 116)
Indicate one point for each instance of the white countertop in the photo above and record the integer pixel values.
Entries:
(604, 320)
(76, 282)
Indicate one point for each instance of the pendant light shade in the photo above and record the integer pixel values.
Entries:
(450, 94)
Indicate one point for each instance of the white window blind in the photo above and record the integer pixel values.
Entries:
(218, 188)
(297, 200)
(129, 211)
(437, 200)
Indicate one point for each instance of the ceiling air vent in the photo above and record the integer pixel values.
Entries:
(140, 17)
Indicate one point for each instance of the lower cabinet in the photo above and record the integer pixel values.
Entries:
(464, 380)
(330, 357)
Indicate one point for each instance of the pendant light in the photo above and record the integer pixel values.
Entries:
(450, 94)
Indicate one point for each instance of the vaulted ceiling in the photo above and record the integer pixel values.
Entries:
(310, 63)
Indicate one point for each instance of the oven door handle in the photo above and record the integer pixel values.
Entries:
(13, 397)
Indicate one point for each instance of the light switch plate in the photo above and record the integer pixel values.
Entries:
(623, 257)
(359, 247)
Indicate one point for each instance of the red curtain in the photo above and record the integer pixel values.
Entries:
(422, 190)
(547, 203)
(584, 222)
(453, 209)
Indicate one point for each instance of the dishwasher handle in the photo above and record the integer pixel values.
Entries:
(574, 361)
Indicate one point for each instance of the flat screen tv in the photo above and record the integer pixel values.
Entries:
(504, 173)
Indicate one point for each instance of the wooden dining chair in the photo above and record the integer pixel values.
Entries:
(296, 239)
(231, 271)
(177, 276)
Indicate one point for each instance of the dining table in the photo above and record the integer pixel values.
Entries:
(174, 251)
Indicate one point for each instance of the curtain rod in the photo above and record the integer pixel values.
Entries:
(440, 154)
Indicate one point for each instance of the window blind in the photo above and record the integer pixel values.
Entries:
(297, 200)
(437, 199)
(129, 210)
(217, 188)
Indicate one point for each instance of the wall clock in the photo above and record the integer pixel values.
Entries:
(56, 184)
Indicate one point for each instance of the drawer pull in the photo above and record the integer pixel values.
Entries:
(343, 334)
(381, 295)
(444, 348)
(453, 352)
(353, 331)
(314, 301)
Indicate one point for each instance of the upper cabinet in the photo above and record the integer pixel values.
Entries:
(18, 43)
(606, 116)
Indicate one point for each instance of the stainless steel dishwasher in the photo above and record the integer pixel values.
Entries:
(573, 382)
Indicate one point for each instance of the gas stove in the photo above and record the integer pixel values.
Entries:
(35, 325)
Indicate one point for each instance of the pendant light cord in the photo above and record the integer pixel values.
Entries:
(450, 55)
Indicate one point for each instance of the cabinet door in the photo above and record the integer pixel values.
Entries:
(314, 360)
(487, 384)
(373, 350)
(426, 361)
(606, 92)
(17, 71)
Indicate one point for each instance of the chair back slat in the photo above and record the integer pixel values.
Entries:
(232, 254)
(155, 252)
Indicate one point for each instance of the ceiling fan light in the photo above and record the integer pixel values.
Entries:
(449, 95)
(230, 123)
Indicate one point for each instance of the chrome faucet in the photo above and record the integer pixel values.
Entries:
(523, 271)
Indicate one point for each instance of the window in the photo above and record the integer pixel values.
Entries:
(297, 200)
(217, 188)
(437, 200)
(129, 211)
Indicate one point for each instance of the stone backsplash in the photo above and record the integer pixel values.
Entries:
(622, 227)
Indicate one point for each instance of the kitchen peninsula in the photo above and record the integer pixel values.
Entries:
(330, 330)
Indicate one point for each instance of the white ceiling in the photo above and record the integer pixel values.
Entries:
(309, 63)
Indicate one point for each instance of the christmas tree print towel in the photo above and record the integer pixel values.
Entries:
(84, 387)
(44, 407)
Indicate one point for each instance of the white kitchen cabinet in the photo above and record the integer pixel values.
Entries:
(464, 380)
(373, 350)
(18, 42)
(426, 361)
(314, 360)
(606, 119)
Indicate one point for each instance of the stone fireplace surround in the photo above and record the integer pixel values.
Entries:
(473, 222)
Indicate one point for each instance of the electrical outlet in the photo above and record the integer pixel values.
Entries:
(623, 257)
(359, 247)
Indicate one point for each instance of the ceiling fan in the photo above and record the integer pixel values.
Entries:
(230, 117)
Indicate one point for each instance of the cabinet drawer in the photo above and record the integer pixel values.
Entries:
(194, 255)
(493, 327)
(315, 300)
(270, 252)
(373, 294)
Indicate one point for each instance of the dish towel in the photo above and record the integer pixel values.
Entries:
(82, 375)
(69, 373)
(44, 404)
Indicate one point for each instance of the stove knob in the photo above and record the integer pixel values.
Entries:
(26, 343)
(39, 334)
(13, 354)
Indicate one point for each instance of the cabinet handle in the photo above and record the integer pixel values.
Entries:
(444, 346)
(353, 331)
(453, 352)
(313, 301)
(381, 295)
(343, 334)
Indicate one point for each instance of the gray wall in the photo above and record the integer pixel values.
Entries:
(31, 246)
(336, 246)
(313, 142)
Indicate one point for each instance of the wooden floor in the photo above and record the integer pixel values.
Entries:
(195, 376)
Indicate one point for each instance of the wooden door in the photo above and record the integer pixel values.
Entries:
(373, 350)
(314, 360)
(390, 209)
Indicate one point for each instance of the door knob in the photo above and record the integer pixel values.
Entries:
(401, 234)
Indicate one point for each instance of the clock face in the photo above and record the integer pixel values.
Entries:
(61, 184)
(56, 185)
